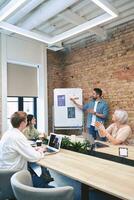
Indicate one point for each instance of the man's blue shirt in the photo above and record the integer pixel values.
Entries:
(102, 108)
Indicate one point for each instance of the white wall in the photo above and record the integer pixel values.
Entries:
(3, 78)
(0, 67)
(24, 50)
(20, 50)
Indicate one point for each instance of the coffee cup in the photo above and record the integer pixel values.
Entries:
(38, 142)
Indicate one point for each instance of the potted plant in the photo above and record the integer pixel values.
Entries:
(84, 147)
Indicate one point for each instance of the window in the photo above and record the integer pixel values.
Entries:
(26, 104)
(12, 106)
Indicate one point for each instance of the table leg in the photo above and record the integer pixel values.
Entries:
(84, 192)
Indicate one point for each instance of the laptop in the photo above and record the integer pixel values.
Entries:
(54, 143)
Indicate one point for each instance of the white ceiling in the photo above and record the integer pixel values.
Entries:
(59, 23)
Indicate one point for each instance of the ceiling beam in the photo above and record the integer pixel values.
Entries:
(46, 11)
(24, 11)
(51, 40)
(10, 8)
(124, 17)
(82, 27)
(80, 5)
(75, 19)
(78, 38)
(73, 31)
(126, 12)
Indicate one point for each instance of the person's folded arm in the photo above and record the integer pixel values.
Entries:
(105, 112)
(100, 115)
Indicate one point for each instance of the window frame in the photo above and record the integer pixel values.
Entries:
(21, 105)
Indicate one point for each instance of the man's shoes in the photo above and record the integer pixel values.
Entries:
(47, 178)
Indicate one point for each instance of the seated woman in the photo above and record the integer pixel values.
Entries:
(118, 132)
(30, 131)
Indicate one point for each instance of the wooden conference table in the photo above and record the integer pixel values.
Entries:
(107, 176)
(114, 150)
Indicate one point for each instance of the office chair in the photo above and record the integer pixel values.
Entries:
(5, 185)
(23, 189)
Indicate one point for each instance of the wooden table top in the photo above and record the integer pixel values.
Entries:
(114, 150)
(110, 177)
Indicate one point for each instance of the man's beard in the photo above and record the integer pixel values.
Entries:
(94, 98)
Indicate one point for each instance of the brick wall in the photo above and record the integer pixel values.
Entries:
(55, 71)
(108, 64)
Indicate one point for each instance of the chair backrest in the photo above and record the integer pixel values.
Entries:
(22, 186)
(5, 185)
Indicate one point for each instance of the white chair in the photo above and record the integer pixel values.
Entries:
(5, 185)
(23, 189)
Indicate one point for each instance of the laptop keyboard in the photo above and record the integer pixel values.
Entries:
(50, 150)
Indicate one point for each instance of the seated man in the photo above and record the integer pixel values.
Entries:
(15, 150)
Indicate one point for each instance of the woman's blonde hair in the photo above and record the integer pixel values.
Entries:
(121, 116)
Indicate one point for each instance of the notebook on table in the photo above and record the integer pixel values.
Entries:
(54, 143)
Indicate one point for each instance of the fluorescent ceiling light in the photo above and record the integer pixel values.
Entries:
(51, 40)
(110, 14)
(9, 8)
(106, 6)
(82, 27)
(20, 31)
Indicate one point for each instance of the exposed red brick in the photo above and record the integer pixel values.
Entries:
(108, 64)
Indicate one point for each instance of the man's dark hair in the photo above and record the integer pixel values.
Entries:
(17, 118)
(98, 91)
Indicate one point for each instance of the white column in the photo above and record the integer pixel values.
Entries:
(42, 104)
(3, 83)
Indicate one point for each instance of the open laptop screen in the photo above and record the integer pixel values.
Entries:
(54, 141)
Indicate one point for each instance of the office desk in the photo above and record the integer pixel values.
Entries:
(107, 176)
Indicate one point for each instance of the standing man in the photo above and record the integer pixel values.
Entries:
(97, 110)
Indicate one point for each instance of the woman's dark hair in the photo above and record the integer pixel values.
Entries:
(29, 119)
(17, 118)
(98, 91)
